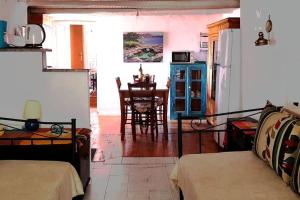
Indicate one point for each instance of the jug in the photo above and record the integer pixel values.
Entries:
(35, 35)
(30, 35)
(17, 38)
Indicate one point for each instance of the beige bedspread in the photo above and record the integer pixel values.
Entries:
(38, 180)
(229, 176)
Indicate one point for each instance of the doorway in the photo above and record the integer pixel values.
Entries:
(73, 47)
(76, 44)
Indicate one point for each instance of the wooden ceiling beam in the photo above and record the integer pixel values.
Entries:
(134, 4)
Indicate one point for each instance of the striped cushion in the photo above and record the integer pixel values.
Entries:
(267, 111)
(274, 137)
(266, 135)
(277, 140)
(295, 181)
(285, 148)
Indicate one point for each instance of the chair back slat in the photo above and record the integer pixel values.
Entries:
(118, 81)
(142, 93)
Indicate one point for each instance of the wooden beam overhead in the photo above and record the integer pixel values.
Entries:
(134, 4)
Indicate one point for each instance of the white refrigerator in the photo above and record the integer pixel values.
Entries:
(228, 62)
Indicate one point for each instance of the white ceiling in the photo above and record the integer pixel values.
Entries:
(84, 5)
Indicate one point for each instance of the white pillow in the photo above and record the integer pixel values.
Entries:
(291, 108)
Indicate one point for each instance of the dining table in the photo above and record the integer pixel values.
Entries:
(162, 91)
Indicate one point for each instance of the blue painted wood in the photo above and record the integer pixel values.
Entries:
(189, 96)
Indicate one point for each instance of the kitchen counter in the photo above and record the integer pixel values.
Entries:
(45, 68)
(25, 49)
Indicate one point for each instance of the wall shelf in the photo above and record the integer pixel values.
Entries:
(24, 49)
(45, 68)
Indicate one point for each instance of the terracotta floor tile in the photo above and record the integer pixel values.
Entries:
(106, 139)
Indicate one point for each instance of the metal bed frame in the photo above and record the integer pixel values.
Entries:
(30, 147)
(51, 151)
(211, 129)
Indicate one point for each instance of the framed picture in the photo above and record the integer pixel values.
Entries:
(203, 44)
(143, 47)
(203, 40)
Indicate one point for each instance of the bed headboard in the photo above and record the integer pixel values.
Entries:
(196, 130)
(11, 149)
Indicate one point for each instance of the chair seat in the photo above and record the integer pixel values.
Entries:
(143, 107)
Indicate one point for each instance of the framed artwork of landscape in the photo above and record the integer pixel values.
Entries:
(143, 46)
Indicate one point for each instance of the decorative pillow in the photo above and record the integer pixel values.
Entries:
(274, 137)
(277, 139)
(295, 181)
(285, 148)
(259, 140)
(293, 109)
(267, 134)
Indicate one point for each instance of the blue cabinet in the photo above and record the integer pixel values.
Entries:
(188, 89)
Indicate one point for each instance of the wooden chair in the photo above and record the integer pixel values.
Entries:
(127, 113)
(152, 78)
(136, 78)
(143, 106)
(160, 110)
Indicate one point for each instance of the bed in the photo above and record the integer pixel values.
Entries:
(44, 165)
(228, 176)
(245, 175)
(40, 180)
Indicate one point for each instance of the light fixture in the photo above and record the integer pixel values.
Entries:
(32, 113)
(261, 40)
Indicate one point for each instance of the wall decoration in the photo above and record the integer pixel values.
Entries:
(204, 45)
(203, 40)
(143, 46)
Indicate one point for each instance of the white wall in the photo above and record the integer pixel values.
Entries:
(14, 12)
(63, 95)
(181, 32)
(270, 72)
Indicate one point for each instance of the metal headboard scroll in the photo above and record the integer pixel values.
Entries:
(195, 125)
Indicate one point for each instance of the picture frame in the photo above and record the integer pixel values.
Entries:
(142, 47)
(203, 44)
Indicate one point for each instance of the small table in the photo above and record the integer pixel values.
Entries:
(240, 133)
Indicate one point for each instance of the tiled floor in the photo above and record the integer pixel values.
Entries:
(125, 178)
(106, 138)
(125, 171)
(144, 178)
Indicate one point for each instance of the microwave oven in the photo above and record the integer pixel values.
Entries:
(181, 56)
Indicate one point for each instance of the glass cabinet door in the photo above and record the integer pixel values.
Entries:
(180, 89)
(188, 89)
(195, 90)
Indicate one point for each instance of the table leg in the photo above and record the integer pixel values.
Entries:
(122, 124)
(165, 114)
